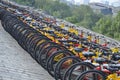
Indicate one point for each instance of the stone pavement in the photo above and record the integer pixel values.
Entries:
(16, 63)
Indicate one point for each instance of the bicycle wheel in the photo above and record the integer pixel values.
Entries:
(54, 58)
(76, 69)
(42, 47)
(33, 43)
(30, 39)
(63, 65)
(23, 38)
(38, 48)
(92, 75)
(44, 55)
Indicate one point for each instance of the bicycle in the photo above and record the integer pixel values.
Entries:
(108, 72)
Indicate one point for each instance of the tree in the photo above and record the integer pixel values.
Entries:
(81, 15)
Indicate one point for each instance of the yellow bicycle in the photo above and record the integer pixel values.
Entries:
(113, 76)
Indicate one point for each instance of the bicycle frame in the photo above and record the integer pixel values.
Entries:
(113, 76)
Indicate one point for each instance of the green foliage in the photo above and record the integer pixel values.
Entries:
(25, 2)
(81, 15)
(109, 26)
(72, 19)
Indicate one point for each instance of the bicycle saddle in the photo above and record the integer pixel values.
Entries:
(116, 57)
(35, 24)
(83, 39)
(94, 45)
(100, 60)
(50, 32)
(66, 44)
(78, 49)
(106, 48)
(74, 41)
(54, 35)
(41, 27)
(57, 28)
(62, 40)
(105, 53)
(45, 22)
(114, 66)
(88, 54)
(76, 37)
(112, 69)
(43, 30)
(64, 31)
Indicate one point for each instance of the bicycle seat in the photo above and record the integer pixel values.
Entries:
(114, 66)
(88, 54)
(41, 27)
(106, 48)
(45, 22)
(43, 30)
(105, 53)
(100, 60)
(83, 39)
(64, 31)
(57, 28)
(73, 41)
(76, 37)
(57, 36)
(54, 35)
(66, 44)
(50, 32)
(116, 57)
(62, 40)
(35, 24)
(94, 45)
(112, 69)
(78, 49)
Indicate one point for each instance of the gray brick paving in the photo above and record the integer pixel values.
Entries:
(16, 63)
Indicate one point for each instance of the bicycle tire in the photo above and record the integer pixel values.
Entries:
(59, 66)
(68, 73)
(102, 74)
(50, 60)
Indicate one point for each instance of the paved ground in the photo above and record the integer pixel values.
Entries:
(17, 64)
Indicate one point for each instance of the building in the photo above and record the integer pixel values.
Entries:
(116, 10)
(85, 2)
(68, 2)
(116, 4)
(72, 1)
(101, 8)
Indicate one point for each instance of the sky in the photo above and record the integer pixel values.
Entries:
(110, 1)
